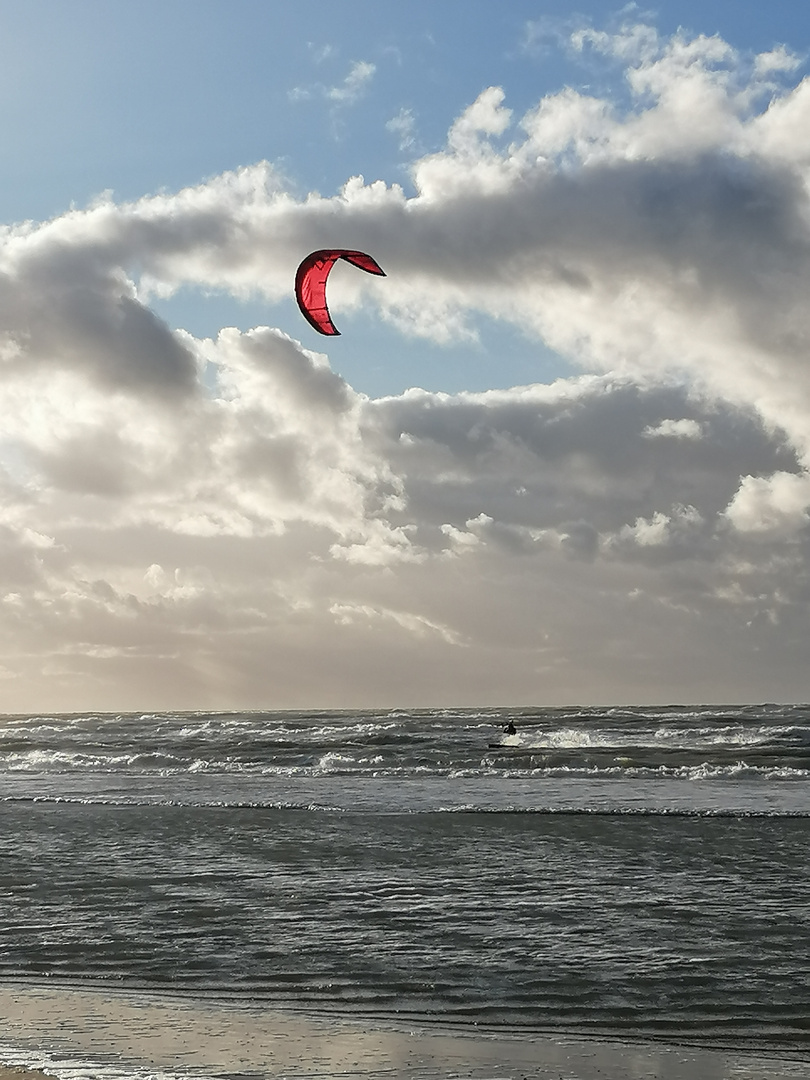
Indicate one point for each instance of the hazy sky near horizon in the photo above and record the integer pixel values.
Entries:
(559, 454)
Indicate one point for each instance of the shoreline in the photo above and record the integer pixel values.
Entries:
(130, 1035)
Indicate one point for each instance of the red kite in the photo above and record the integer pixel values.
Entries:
(310, 284)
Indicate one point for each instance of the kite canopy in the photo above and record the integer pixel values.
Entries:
(310, 284)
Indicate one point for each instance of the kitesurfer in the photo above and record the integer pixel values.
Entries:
(510, 728)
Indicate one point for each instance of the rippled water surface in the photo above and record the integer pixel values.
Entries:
(612, 871)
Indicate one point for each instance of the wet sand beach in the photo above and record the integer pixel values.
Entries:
(72, 1033)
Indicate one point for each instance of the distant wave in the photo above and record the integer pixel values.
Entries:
(462, 808)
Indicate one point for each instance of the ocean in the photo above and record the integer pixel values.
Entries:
(629, 873)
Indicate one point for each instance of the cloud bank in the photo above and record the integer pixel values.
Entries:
(227, 523)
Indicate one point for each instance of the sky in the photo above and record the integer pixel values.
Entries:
(558, 455)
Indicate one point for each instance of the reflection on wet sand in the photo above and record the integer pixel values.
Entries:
(69, 1033)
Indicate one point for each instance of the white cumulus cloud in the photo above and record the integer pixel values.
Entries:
(226, 522)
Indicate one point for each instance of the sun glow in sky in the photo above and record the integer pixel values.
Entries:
(559, 454)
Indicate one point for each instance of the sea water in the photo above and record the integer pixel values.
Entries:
(638, 873)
